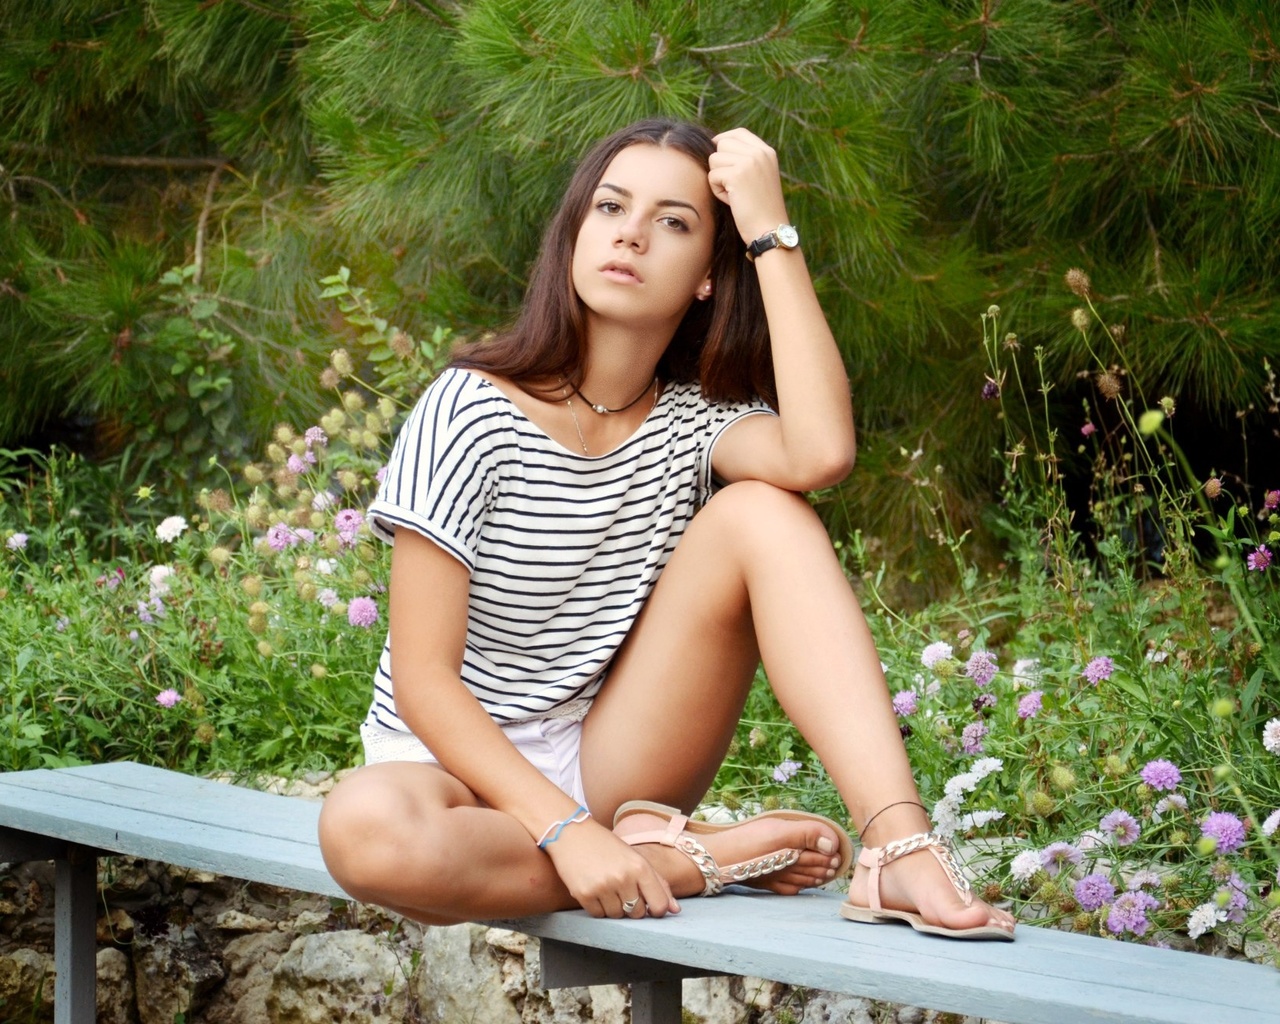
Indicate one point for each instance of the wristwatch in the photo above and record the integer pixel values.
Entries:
(783, 236)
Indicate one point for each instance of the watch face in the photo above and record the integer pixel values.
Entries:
(788, 236)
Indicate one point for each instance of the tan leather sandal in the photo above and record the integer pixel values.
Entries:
(680, 832)
(876, 857)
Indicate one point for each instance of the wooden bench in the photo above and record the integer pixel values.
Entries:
(75, 815)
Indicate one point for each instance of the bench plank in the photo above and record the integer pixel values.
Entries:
(1046, 977)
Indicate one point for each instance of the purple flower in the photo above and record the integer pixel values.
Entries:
(1122, 827)
(281, 536)
(315, 437)
(1271, 501)
(296, 464)
(971, 738)
(1059, 857)
(1225, 829)
(144, 613)
(1093, 891)
(905, 702)
(1098, 669)
(1087, 430)
(1129, 912)
(1031, 704)
(786, 770)
(362, 611)
(17, 542)
(1144, 877)
(348, 523)
(990, 390)
(1233, 897)
(984, 701)
(981, 667)
(168, 698)
(1259, 559)
(1161, 775)
(61, 624)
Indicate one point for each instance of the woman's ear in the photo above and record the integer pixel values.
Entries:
(704, 290)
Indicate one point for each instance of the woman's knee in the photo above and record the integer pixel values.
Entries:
(760, 513)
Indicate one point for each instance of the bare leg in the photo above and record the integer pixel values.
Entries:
(412, 838)
(756, 568)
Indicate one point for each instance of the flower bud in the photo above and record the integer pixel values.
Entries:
(251, 585)
(340, 360)
(1080, 319)
(265, 649)
(1041, 804)
(318, 671)
(284, 435)
(219, 556)
(352, 401)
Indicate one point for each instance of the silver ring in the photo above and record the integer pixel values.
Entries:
(629, 905)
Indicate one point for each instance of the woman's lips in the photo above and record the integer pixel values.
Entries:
(623, 273)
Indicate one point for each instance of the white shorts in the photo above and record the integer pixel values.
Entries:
(552, 745)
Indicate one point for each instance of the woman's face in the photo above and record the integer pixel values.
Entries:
(643, 252)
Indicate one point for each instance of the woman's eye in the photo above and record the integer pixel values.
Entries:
(676, 223)
(608, 206)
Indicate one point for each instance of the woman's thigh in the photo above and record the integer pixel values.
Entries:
(661, 725)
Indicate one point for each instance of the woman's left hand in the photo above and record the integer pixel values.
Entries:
(744, 174)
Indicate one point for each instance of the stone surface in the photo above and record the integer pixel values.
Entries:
(339, 976)
(26, 986)
(462, 976)
(173, 974)
(116, 1001)
(249, 961)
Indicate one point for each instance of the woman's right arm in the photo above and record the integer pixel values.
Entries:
(428, 613)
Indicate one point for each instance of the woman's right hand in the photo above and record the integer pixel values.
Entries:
(602, 873)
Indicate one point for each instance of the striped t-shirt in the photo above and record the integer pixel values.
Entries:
(563, 548)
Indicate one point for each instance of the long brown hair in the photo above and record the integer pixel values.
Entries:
(723, 342)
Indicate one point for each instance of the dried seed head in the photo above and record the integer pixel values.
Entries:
(329, 378)
(993, 310)
(340, 360)
(1011, 341)
(1118, 332)
(401, 345)
(1212, 487)
(1108, 385)
(1078, 281)
(1080, 319)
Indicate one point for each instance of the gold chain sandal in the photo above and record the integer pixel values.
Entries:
(876, 857)
(680, 831)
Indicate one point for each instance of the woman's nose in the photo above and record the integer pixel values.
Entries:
(631, 233)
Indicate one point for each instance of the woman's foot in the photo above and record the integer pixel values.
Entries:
(915, 887)
(780, 851)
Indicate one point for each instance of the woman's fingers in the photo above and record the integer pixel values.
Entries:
(744, 174)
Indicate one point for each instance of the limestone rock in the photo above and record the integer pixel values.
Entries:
(710, 1001)
(249, 961)
(115, 926)
(834, 1008)
(238, 921)
(26, 986)
(461, 976)
(305, 923)
(347, 976)
(173, 974)
(115, 996)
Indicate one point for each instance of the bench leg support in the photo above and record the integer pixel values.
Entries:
(74, 944)
(655, 1002)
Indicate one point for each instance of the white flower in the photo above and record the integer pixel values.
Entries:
(326, 566)
(16, 542)
(1272, 823)
(1204, 918)
(977, 819)
(1026, 672)
(935, 653)
(171, 529)
(323, 500)
(160, 575)
(1026, 864)
(946, 812)
(1271, 736)
(1091, 839)
(1174, 801)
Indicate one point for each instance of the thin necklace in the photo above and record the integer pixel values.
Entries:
(578, 426)
(604, 410)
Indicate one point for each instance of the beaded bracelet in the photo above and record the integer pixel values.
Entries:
(576, 818)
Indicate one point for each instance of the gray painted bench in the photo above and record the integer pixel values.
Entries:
(75, 815)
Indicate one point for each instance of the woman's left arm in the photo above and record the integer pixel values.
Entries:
(810, 444)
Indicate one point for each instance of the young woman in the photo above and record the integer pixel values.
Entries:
(570, 646)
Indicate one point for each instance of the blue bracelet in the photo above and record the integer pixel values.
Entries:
(577, 817)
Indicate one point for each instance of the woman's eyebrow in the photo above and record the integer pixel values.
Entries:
(626, 194)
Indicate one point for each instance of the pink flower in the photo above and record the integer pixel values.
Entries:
(1031, 704)
(1087, 429)
(1259, 559)
(168, 698)
(1160, 774)
(1098, 669)
(316, 437)
(1122, 827)
(905, 702)
(1225, 829)
(981, 667)
(362, 611)
(1271, 501)
(348, 523)
(281, 536)
(971, 737)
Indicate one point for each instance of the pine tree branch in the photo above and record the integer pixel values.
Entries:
(773, 33)
(266, 12)
(163, 163)
(790, 115)
(203, 222)
(431, 10)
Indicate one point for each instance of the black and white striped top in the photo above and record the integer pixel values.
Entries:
(563, 548)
